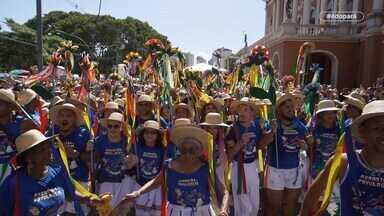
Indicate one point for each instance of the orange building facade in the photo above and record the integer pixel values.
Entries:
(351, 53)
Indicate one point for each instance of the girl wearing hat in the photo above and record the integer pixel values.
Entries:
(67, 121)
(326, 133)
(214, 125)
(148, 158)
(185, 179)
(361, 173)
(35, 188)
(110, 151)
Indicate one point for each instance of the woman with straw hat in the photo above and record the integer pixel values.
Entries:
(360, 173)
(243, 140)
(36, 187)
(172, 151)
(216, 127)
(185, 179)
(67, 124)
(148, 156)
(110, 154)
(326, 133)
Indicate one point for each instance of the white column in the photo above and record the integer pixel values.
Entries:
(318, 11)
(356, 4)
(306, 11)
(278, 8)
(342, 5)
(285, 11)
(294, 11)
(377, 5)
(323, 8)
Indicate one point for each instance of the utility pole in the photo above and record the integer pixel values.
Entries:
(39, 30)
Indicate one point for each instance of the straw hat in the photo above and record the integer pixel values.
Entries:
(26, 96)
(356, 100)
(186, 107)
(150, 124)
(267, 102)
(54, 112)
(115, 116)
(284, 97)
(28, 140)
(243, 101)
(145, 98)
(178, 134)
(214, 119)
(120, 102)
(180, 122)
(8, 96)
(213, 101)
(326, 105)
(111, 105)
(373, 109)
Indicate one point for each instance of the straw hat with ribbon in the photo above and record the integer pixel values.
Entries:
(54, 112)
(115, 116)
(284, 97)
(326, 105)
(186, 107)
(243, 101)
(29, 139)
(371, 110)
(356, 100)
(8, 96)
(214, 119)
(180, 134)
(26, 96)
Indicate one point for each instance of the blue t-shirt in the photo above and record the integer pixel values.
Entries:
(287, 156)
(42, 197)
(326, 141)
(150, 162)
(8, 135)
(188, 190)
(250, 153)
(78, 140)
(110, 167)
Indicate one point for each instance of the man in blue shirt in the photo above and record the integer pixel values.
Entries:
(244, 138)
(283, 174)
(145, 110)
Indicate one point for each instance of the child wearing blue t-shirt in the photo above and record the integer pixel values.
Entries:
(148, 156)
(185, 180)
(111, 152)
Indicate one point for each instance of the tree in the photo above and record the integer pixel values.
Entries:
(106, 38)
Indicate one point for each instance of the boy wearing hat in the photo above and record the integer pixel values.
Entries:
(284, 178)
(244, 138)
(145, 108)
(68, 121)
(360, 173)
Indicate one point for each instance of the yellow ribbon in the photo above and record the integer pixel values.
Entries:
(211, 172)
(104, 208)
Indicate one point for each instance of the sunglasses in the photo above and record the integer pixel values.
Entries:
(115, 126)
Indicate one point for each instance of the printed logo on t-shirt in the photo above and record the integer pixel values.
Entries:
(6, 148)
(189, 197)
(47, 202)
(289, 139)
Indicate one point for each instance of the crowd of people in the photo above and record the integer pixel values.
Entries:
(241, 156)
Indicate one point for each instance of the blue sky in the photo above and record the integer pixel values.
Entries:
(197, 26)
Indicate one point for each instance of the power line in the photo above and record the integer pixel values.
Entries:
(98, 13)
(18, 41)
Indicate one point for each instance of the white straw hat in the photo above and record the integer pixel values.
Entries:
(115, 116)
(326, 105)
(371, 110)
(243, 101)
(356, 100)
(186, 107)
(29, 139)
(54, 112)
(284, 97)
(8, 96)
(179, 134)
(214, 119)
(145, 98)
(180, 122)
(26, 96)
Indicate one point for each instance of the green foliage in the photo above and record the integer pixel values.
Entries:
(106, 38)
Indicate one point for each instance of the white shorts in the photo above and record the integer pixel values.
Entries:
(280, 179)
(246, 204)
(117, 189)
(148, 203)
(176, 210)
